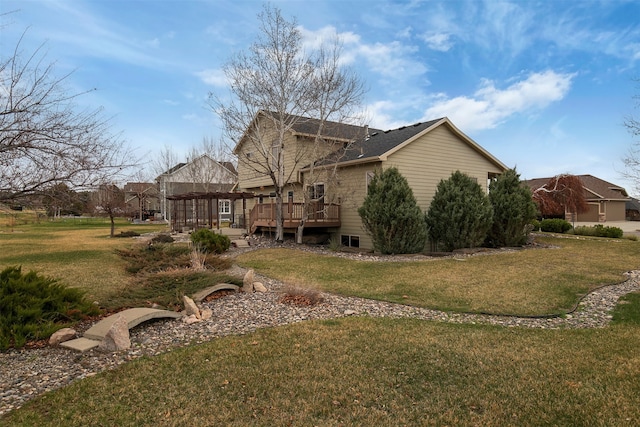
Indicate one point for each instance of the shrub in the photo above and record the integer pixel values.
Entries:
(32, 307)
(210, 242)
(555, 225)
(513, 209)
(162, 238)
(391, 215)
(460, 213)
(599, 230)
(128, 233)
(144, 259)
(535, 224)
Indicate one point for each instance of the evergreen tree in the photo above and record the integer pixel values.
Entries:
(513, 209)
(391, 215)
(460, 213)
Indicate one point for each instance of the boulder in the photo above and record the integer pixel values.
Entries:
(191, 319)
(247, 282)
(190, 307)
(259, 287)
(117, 337)
(206, 314)
(62, 335)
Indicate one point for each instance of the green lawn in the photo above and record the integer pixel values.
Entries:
(528, 282)
(362, 371)
(78, 252)
(390, 372)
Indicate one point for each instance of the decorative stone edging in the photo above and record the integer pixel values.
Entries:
(25, 374)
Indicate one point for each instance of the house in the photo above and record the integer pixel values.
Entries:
(607, 201)
(632, 208)
(142, 199)
(201, 175)
(335, 184)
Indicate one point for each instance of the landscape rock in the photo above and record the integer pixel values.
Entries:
(206, 314)
(191, 319)
(247, 282)
(259, 287)
(117, 337)
(190, 307)
(62, 335)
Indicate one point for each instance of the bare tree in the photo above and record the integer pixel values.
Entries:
(45, 138)
(284, 84)
(632, 159)
(108, 200)
(562, 193)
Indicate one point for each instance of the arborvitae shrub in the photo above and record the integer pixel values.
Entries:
(32, 307)
(555, 225)
(210, 242)
(391, 215)
(513, 210)
(460, 214)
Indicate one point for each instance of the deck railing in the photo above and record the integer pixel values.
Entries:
(318, 214)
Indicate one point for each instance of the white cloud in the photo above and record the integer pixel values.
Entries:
(391, 60)
(489, 106)
(441, 42)
(213, 77)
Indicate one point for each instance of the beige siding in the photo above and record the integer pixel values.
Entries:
(298, 153)
(351, 191)
(434, 157)
(424, 163)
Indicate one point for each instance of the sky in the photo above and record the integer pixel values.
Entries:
(544, 86)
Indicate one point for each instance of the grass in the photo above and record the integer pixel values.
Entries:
(389, 372)
(361, 371)
(79, 252)
(529, 282)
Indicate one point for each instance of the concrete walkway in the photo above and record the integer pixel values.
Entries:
(94, 335)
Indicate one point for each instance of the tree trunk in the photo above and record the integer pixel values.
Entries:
(279, 216)
(113, 225)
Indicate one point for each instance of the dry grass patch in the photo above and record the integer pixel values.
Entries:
(80, 255)
(360, 371)
(527, 282)
(300, 296)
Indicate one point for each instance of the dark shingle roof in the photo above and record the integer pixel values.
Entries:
(309, 126)
(378, 143)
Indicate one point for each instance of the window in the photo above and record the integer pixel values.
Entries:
(369, 177)
(316, 191)
(275, 156)
(224, 206)
(350, 241)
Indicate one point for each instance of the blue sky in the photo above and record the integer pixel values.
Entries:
(544, 86)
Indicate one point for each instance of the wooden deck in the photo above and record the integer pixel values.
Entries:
(320, 215)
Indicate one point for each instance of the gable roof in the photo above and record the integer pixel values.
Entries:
(306, 126)
(594, 188)
(227, 165)
(381, 144)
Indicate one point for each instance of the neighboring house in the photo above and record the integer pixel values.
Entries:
(632, 208)
(424, 153)
(201, 175)
(607, 201)
(142, 199)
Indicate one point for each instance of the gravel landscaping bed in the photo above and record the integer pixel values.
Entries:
(27, 373)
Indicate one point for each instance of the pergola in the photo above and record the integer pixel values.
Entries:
(198, 210)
